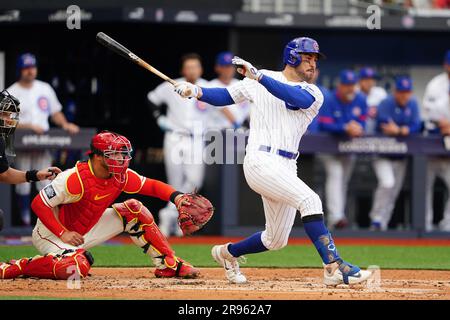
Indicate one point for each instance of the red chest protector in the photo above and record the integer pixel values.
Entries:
(97, 195)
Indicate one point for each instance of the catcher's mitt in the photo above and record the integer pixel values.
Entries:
(194, 212)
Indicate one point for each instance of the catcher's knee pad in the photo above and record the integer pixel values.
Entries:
(71, 263)
(310, 205)
(140, 225)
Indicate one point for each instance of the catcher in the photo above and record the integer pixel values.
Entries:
(75, 214)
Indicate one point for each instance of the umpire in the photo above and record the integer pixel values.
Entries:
(9, 118)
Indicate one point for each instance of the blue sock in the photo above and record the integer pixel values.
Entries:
(321, 238)
(252, 244)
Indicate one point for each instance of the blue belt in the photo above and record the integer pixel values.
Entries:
(283, 153)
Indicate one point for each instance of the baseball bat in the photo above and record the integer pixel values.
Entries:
(113, 45)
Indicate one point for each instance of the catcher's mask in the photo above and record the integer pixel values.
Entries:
(9, 114)
(116, 150)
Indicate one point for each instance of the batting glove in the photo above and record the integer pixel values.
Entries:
(246, 69)
(187, 89)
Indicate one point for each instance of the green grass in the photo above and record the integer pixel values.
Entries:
(294, 256)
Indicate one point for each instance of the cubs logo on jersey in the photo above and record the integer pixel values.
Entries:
(202, 106)
(356, 111)
(44, 104)
(407, 112)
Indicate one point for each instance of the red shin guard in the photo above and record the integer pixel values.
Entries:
(72, 263)
(139, 223)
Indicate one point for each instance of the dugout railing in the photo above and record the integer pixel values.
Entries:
(417, 148)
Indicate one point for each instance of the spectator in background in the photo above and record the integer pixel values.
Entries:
(436, 114)
(38, 102)
(230, 116)
(344, 112)
(368, 86)
(183, 124)
(398, 115)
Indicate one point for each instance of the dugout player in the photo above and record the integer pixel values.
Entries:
(284, 104)
(9, 118)
(75, 214)
(368, 85)
(344, 112)
(398, 115)
(230, 116)
(184, 123)
(436, 114)
(38, 103)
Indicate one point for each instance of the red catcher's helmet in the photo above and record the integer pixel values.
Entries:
(117, 152)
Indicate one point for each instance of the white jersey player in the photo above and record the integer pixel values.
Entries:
(232, 116)
(284, 104)
(38, 102)
(375, 94)
(184, 125)
(436, 114)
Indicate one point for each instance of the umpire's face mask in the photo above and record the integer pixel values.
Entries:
(9, 118)
(9, 114)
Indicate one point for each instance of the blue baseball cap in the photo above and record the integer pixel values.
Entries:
(403, 83)
(224, 58)
(348, 77)
(26, 60)
(367, 73)
(447, 57)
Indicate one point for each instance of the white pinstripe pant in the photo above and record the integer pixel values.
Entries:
(338, 169)
(283, 193)
(390, 174)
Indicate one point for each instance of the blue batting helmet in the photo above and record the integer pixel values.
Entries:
(295, 47)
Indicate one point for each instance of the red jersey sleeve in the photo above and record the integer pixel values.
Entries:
(148, 187)
(46, 215)
(66, 188)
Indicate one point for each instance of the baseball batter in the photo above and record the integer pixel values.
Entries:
(284, 104)
(75, 215)
(183, 124)
(38, 103)
(436, 114)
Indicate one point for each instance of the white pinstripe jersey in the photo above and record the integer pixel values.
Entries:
(271, 123)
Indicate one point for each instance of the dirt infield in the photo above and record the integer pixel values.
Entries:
(140, 283)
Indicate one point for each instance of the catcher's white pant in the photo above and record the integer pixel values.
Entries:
(437, 167)
(183, 160)
(338, 170)
(30, 161)
(390, 174)
(283, 193)
(109, 226)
